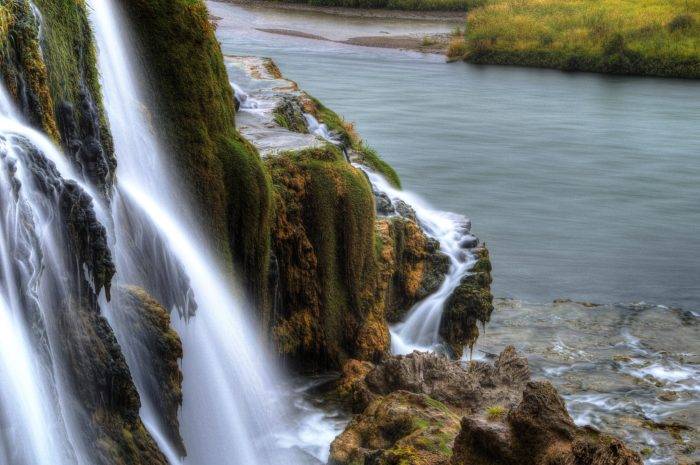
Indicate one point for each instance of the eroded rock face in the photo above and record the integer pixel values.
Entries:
(416, 267)
(407, 406)
(466, 388)
(153, 341)
(538, 431)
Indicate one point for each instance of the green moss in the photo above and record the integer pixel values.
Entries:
(324, 242)
(495, 412)
(370, 157)
(195, 107)
(69, 53)
(411, 5)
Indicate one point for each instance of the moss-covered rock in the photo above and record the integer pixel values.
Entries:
(290, 115)
(400, 428)
(417, 266)
(158, 350)
(195, 107)
(323, 240)
(56, 83)
(470, 304)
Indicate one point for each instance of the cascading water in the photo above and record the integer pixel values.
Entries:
(420, 328)
(228, 406)
(37, 280)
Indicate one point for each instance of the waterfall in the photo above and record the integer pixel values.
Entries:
(229, 399)
(37, 278)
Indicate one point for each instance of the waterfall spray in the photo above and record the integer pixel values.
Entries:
(229, 401)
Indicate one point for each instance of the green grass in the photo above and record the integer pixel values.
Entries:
(412, 5)
(494, 413)
(645, 37)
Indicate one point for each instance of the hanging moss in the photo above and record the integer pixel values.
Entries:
(195, 108)
(323, 238)
(22, 66)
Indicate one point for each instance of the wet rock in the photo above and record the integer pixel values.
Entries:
(539, 431)
(383, 203)
(405, 210)
(448, 381)
(471, 303)
(289, 114)
(468, 242)
(159, 347)
(415, 265)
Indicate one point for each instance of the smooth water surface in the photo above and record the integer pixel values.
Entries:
(584, 186)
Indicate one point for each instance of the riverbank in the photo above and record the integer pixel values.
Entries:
(420, 31)
(651, 38)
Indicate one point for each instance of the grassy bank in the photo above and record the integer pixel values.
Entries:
(644, 37)
(409, 5)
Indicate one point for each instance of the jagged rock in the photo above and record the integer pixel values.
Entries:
(471, 303)
(539, 431)
(465, 388)
(415, 265)
(405, 210)
(289, 114)
(383, 203)
(401, 428)
(158, 347)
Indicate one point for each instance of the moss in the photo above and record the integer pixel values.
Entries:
(22, 65)
(495, 412)
(371, 158)
(70, 56)
(196, 110)
(471, 303)
(323, 238)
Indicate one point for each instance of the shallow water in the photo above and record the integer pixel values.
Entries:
(633, 371)
(584, 186)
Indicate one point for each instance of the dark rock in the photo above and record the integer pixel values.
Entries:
(471, 303)
(289, 114)
(405, 210)
(468, 242)
(383, 203)
(159, 351)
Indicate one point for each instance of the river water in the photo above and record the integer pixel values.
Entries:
(585, 187)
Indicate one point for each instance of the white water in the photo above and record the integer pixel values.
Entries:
(34, 427)
(229, 403)
(319, 129)
(420, 328)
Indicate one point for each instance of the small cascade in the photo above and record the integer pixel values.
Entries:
(244, 100)
(419, 330)
(319, 129)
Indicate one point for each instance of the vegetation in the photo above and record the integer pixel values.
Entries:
(323, 239)
(196, 108)
(646, 37)
(412, 5)
(494, 413)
